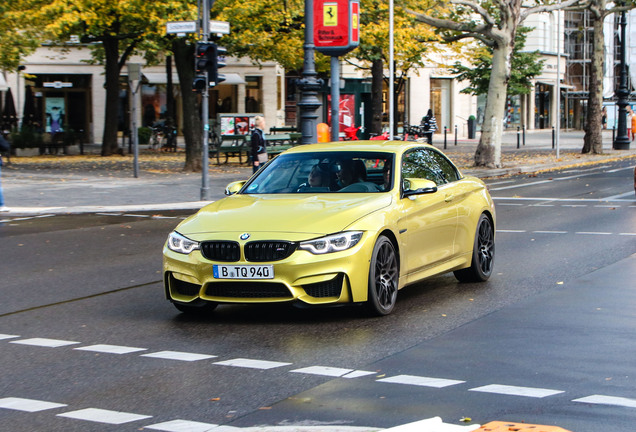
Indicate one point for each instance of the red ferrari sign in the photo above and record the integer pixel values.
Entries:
(336, 26)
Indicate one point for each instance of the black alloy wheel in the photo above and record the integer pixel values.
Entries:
(483, 254)
(383, 278)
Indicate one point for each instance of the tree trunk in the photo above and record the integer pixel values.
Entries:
(192, 125)
(377, 80)
(593, 141)
(488, 151)
(109, 138)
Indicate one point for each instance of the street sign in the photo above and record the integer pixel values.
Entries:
(219, 27)
(336, 26)
(181, 27)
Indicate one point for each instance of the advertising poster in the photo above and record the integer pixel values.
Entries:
(242, 125)
(227, 125)
(55, 110)
(347, 111)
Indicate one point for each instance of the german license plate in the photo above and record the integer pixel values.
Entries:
(243, 271)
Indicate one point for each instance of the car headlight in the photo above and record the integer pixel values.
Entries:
(332, 243)
(181, 244)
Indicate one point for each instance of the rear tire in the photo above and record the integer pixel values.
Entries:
(483, 254)
(198, 308)
(383, 278)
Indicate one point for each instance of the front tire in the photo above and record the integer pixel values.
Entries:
(483, 254)
(383, 278)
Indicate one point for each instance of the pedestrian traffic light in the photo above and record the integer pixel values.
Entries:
(209, 59)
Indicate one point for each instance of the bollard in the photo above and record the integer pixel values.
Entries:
(518, 137)
(613, 134)
(455, 134)
(524, 135)
(553, 140)
(445, 131)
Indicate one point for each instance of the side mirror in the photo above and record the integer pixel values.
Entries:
(417, 186)
(234, 187)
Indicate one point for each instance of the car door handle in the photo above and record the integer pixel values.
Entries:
(449, 198)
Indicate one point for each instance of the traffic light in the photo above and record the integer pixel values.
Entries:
(209, 59)
(218, 62)
(204, 53)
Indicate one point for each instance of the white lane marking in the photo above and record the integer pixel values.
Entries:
(593, 233)
(516, 391)
(110, 349)
(511, 231)
(28, 405)
(182, 426)
(542, 205)
(550, 232)
(7, 336)
(323, 370)
(606, 206)
(501, 182)
(620, 196)
(546, 199)
(620, 169)
(253, 364)
(358, 374)
(608, 400)
(575, 176)
(104, 416)
(574, 205)
(520, 185)
(628, 234)
(44, 342)
(421, 381)
(510, 204)
(176, 355)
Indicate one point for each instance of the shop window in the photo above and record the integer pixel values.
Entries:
(254, 94)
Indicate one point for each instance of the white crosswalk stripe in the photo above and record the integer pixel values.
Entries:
(104, 416)
(421, 381)
(177, 355)
(28, 405)
(110, 349)
(516, 391)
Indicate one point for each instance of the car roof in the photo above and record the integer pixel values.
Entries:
(390, 146)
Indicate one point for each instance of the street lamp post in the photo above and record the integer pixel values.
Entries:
(309, 84)
(622, 140)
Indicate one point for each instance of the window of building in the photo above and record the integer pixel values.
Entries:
(254, 94)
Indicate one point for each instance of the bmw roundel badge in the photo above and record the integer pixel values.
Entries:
(244, 236)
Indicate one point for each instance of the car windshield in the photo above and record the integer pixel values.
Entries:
(324, 172)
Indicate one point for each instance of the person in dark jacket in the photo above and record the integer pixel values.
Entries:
(429, 125)
(259, 147)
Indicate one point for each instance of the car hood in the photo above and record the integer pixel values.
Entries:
(316, 214)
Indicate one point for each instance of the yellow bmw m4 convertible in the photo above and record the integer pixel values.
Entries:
(334, 223)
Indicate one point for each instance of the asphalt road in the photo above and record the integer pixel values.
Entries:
(547, 340)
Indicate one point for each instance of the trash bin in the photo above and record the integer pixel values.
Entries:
(472, 127)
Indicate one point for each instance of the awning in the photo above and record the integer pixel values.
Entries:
(3, 83)
(552, 83)
(233, 79)
(162, 78)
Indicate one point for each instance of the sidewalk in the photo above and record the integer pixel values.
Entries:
(55, 184)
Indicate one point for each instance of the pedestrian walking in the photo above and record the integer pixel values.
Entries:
(429, 124)
(4, 147)
(604, 117)
(259, 147)
(633, 125)
(630, 119)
